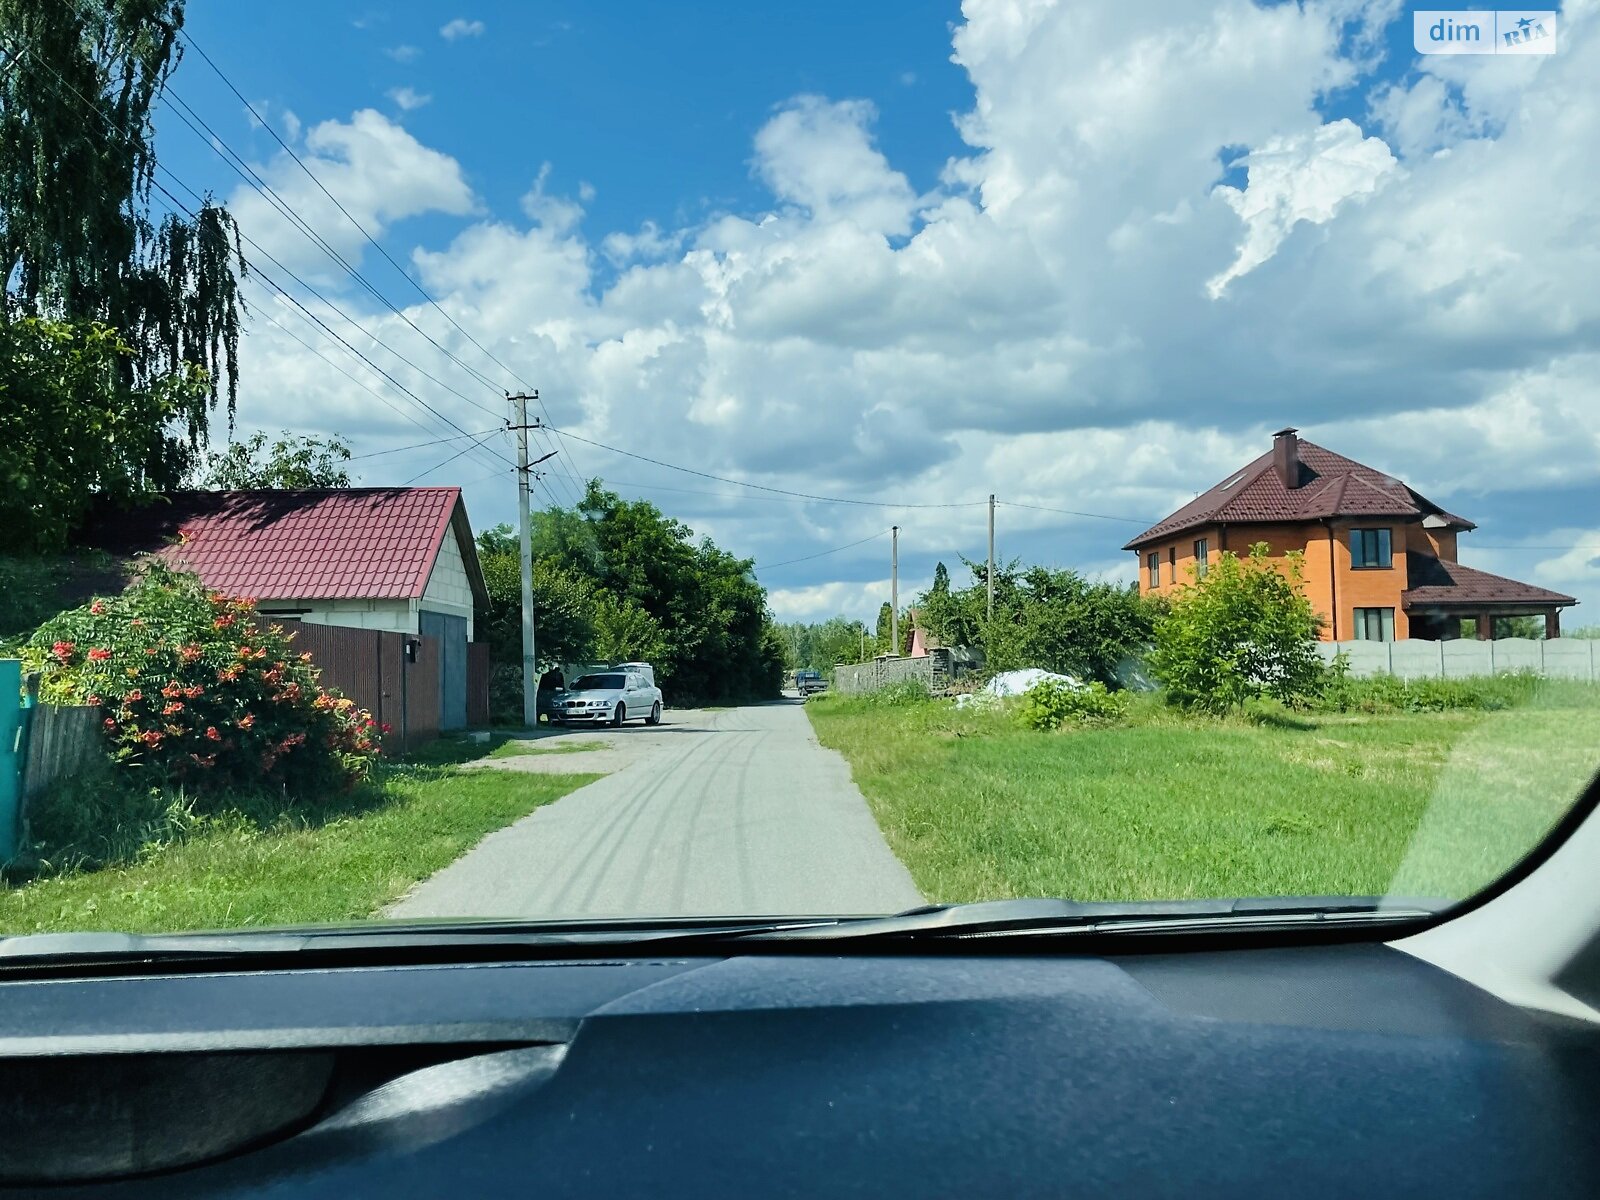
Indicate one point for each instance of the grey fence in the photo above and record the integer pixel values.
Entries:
(1558, 658)
(855, 680)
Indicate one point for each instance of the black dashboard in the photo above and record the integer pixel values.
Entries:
(1299, 1072)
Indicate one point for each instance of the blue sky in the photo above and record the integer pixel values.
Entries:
(911, 254)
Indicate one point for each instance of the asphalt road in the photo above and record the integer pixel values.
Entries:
(716, 813)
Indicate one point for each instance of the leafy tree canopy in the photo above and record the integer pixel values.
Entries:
(72, 425)
(290, 462)
(80, 241)
(621, 580)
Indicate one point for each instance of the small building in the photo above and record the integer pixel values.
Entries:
(395, 559)
(1379, 558)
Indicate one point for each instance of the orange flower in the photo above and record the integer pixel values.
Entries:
(133, 697)
(212, 734)
(110, 723)
(192, 692)
(63, 650)
(97, 608)
(93, 701)
(173, 689)
(246, 721)
(175, 707)
(150, 737)
(223, 621)
(189, 653)
(98, 654)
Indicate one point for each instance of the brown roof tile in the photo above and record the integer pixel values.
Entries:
(1438, 581)
(1330, 485)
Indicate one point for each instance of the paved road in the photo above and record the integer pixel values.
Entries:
(733, 812)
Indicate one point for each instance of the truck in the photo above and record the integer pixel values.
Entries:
(808, 682)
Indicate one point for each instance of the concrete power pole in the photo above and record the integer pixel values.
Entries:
(991, 556)
(894, 591)
(530, 669)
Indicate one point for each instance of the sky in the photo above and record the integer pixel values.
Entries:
(1083, 256)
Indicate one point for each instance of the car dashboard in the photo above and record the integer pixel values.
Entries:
(1292, 1071)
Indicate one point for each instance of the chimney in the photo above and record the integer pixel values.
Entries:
(1286, 457)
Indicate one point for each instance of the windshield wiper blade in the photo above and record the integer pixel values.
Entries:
(994, 918)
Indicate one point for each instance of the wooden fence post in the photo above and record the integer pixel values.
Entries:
(11, 755)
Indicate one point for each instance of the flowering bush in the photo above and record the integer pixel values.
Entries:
(195, 690)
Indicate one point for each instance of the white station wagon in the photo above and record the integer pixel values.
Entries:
(611, 697)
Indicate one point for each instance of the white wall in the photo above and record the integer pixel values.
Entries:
(397, 616)
(1565, 658)
(449, 590)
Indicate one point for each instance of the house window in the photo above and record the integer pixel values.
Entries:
(1370, 548)
(1153, 562)
(1201, 549)
(1375, 624)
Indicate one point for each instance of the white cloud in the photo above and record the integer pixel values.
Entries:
(1039, 325)
(403, 53)
(1303, 177)
(378, 171)
(460, 28)
(408, 99)
(857, 601)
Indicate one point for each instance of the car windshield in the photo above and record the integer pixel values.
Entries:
(825, 459)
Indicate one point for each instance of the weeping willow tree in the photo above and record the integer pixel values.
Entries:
(82, 243)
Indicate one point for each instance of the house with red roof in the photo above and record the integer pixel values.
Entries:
(396, 559)
(1379, 558)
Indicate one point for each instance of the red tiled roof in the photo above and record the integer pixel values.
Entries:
(338, 544)
(1331, 485)
(1438, 581)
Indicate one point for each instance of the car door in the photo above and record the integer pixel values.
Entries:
(630, 697)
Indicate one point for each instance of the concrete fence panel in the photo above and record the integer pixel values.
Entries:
(1516, 654)
(1571, 658)
(1416, 659)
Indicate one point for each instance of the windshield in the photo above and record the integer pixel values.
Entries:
(953, 451)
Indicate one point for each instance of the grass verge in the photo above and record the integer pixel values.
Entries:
(344, 863)
(1167, 807)
(525, 748)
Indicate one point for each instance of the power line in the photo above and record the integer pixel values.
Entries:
(820, 554)
(761, 487)
(404, 274)
(1074, 513)
(419, 445)
(447, 461)
(181, 206)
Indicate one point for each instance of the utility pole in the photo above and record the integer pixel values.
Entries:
(991, 556)
(894, 592)
(530, 670)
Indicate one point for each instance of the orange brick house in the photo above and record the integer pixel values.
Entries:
(1379, 559)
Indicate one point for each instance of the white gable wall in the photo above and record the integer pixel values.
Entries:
(449, 590)
(396, 616)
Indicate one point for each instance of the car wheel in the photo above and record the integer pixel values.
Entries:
(655, 714)
(621, 715)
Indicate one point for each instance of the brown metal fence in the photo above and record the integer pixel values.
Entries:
(373, 668)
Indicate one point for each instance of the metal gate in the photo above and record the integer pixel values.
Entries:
(451, 631)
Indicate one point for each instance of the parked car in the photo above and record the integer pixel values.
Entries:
(610, 697)
(808, 682)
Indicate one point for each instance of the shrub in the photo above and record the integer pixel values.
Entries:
(897, 695)
(1052, 703)
(196, 692)
(1389, 693)
(1245, 630)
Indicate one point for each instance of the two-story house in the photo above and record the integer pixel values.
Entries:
(1379, 558)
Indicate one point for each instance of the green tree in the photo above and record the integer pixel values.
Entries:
(1245, 630)
(291, 462)
(624, 632)
(563, 606)
(80, 240)
(72, 427)
(885, 629)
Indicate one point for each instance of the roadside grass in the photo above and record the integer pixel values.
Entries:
(343, 861)
(1169, 806)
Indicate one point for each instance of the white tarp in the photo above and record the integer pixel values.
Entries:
(1013, 683)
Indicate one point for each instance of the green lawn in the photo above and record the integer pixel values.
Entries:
(232, 872)
(1170, 807)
